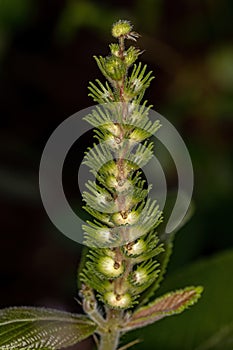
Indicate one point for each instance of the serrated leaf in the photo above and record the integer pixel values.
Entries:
(191, 330)
(167, 305)
(40, 328)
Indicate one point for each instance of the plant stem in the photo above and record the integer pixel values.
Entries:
(109, 341)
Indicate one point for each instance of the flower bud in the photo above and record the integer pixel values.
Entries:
(124, 218)
(115, 67)
(115, 49)
(144, 273)
(139, 276)
(135, 249)
(121, 28)
(118, 301)
(131, 56)
(109, 267)
(113, 128)
(138, 135)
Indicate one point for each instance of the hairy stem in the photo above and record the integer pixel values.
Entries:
(109, 341)
(110, 338)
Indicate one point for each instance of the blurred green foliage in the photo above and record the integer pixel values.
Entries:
(207, 325)
(13, 14)
(84, 14)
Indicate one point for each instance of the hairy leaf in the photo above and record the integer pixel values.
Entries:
(169, 304)
(211, 317)
(40, 328)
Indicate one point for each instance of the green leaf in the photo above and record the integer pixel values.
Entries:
(40, 328)
(167, 305)
(222, 339)
(207, 326)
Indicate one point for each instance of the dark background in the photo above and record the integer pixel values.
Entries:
(46, 62)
